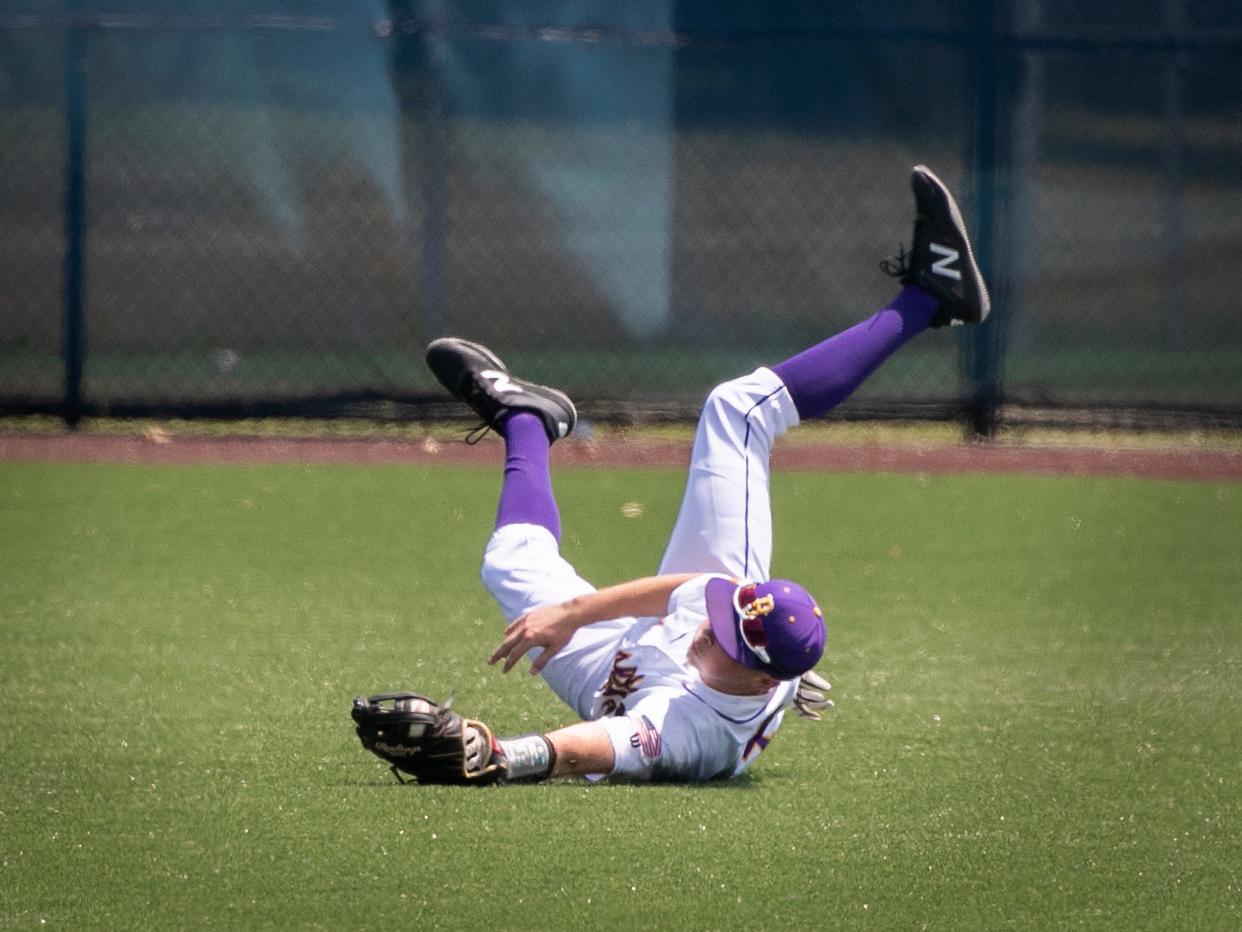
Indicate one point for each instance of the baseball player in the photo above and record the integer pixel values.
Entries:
(685, 675)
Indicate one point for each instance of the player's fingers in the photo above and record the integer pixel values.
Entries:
(817, 705)
(814, 680)
(513, 634)
(509, 652)
(539, 662)
(549, 651)
(501, 649)
(515, 653)
(515, 626)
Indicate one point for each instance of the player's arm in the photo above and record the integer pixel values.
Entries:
(551, 626)
(581, 748)
(434, 744)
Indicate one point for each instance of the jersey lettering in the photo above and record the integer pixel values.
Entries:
(622, 681)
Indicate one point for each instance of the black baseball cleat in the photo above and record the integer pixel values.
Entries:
(474, 374)
(941, 261)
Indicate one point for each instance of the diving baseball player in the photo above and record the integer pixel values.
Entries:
(685, 675)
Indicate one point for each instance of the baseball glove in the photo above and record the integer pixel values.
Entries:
(415, 735)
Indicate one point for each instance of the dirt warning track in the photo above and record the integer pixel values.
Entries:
(160, 449)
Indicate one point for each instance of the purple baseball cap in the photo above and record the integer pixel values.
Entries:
(773, 626)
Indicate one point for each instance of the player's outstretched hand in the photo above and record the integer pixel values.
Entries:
(810, 700)
(549, 627)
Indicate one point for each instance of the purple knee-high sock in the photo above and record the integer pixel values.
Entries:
(823, 376)
(526, 495)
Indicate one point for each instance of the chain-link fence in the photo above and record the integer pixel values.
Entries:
(247, 208)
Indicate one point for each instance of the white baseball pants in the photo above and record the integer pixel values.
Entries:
(724, 525)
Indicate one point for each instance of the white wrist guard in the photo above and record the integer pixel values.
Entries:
(527, 758)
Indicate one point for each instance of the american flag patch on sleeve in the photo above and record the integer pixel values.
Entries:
(646, 738)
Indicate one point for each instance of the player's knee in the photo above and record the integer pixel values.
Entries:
(492, 574)
(726, 400)
(517, 558)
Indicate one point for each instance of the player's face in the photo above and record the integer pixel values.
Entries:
(722, 672)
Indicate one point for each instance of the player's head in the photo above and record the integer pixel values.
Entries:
(774, 626)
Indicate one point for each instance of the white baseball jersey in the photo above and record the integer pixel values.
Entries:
(633, 674)
(663, 720)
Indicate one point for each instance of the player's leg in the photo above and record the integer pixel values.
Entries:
(526, 492)
(725, 522)
(943, 286)
(823, 376)
(522, 566)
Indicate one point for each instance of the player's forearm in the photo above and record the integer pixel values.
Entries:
(643, 597)
(581, 748)
(550, 627)
(572, 751)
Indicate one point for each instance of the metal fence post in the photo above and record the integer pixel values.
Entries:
(982, 363)
(1173, 181)
(74, 336)
(433, 190)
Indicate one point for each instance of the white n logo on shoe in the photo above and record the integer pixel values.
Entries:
(947, 258)
(500, 381)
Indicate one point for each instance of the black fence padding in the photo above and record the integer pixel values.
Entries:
(223, 209)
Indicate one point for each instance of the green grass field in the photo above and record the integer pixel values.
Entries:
(1038, 685)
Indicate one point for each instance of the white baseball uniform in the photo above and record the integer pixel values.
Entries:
(633, 674)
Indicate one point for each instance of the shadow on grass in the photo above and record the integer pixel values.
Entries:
(745, 781)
